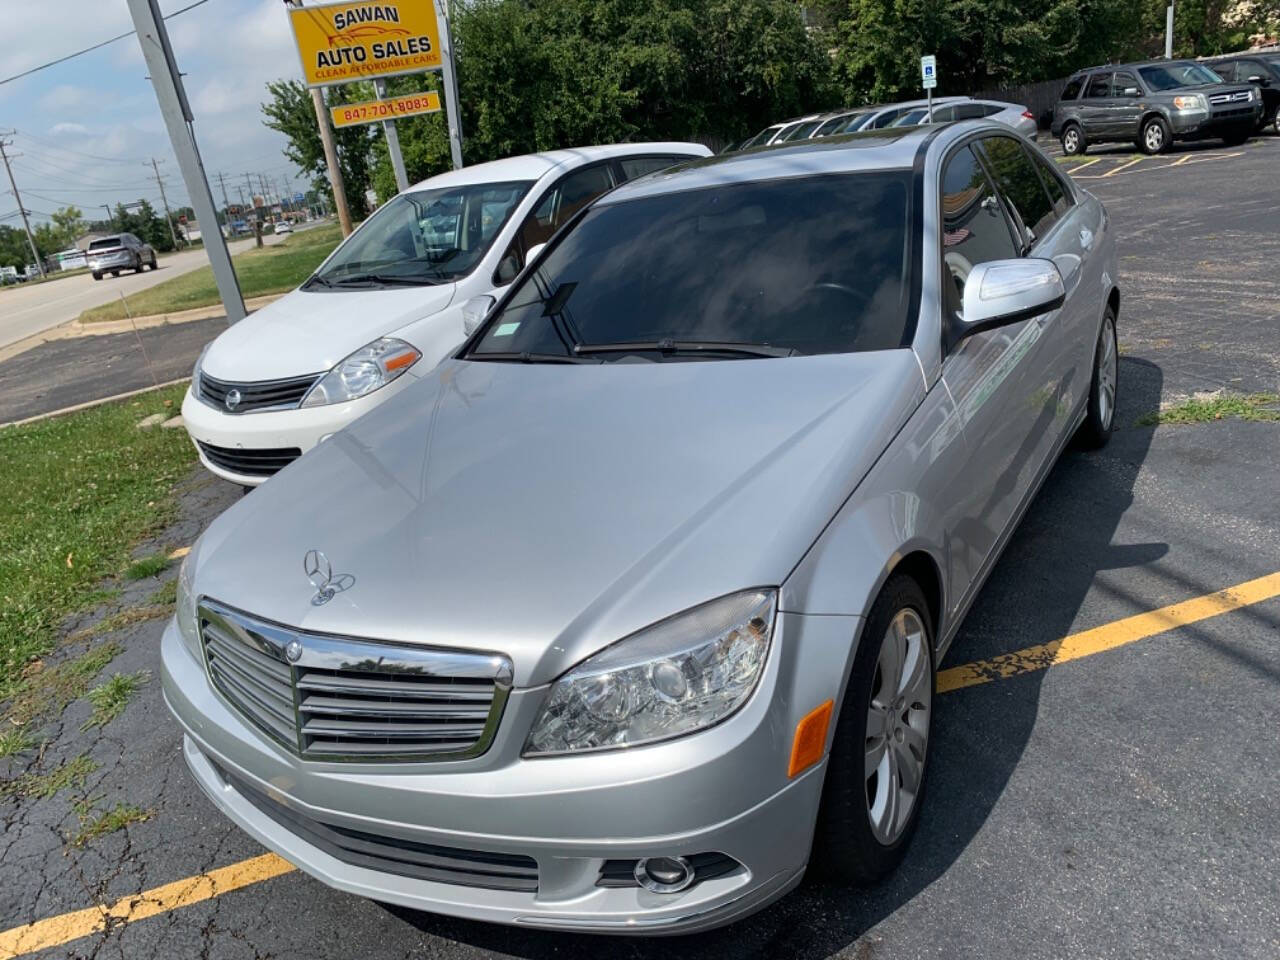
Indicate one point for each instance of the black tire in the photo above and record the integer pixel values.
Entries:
(115, 273)
(97, 276)
(1100, 419)
(1073, 141)
(845, 849)
(1154, 137)
(153, 265)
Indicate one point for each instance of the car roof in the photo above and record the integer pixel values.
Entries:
(532, 166)
(889, 148)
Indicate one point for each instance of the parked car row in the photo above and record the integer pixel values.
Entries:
(621, 603)
(1155, 103)
(906, 114)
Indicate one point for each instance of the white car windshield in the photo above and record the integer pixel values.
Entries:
(422, 238)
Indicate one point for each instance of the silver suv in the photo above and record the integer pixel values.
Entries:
(1152, 105)
(121, 252)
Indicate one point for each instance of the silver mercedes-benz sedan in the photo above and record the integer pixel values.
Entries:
(631, 610)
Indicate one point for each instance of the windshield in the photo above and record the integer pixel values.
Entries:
(424, 237)
(802, 131)
(805, 265)
(1170, 76)
(1274, 62)
(762, 137)
(104, 244)
(910, 119)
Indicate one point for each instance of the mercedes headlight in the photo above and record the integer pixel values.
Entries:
(372, 366)
(188, 622)
(673, 678)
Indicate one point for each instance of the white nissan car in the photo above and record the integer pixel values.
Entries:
(390, 302)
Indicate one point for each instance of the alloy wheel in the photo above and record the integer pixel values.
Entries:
(1153, 136)
(898, 726)
(1107, 363)
(1071, 141)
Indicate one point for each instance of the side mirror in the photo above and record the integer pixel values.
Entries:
(1132, 92)
(533, 252)
(1260, 81)
(474, 311)
(1006, 291)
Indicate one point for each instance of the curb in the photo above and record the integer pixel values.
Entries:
(94, 403)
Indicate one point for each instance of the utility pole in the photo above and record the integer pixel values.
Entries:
(21, 209)
(168, 217)
(166, 78)
(331, 153)
(226, 206)
(111, 220)
(393, 141)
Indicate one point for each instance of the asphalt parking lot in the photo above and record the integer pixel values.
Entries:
(1121, 804)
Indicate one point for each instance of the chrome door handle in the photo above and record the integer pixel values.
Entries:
(1086, 238)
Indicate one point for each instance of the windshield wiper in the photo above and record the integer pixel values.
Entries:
(527, 357)
(387, 278)
(316, 278)
(685, 347)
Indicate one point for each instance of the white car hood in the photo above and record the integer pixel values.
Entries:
(310, 331)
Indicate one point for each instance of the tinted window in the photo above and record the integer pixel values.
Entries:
(1124, 82)
(802, 131)
(972, 111)
(1072, 89)
(1226, 70)
(944, 114)
(1058, 194)
(974, 227)
(1250, 68)
(831, 125)
(1099, 86)
(558, 204)
(1174, 75)
(427, 236)
(885, 119)
(1018, 181)
(818, 265)
(633, 167)
(106, 243)
(858, 123)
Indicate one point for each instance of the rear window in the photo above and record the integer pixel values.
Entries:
(106, 243)
(814, 265)
(1072, 90)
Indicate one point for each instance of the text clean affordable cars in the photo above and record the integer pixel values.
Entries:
(632, 607)
(389, 302)
(121, 252)
(1152, 105)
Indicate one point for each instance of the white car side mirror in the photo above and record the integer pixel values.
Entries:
(474, 311)
(1005, 291)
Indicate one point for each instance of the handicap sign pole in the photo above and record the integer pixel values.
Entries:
(929, 78)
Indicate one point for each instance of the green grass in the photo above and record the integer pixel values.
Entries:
(109, 699)
(274, 269)
(45, 693)
(76, 493)
(111, 821)
(1258, 406)
(16, 740)
(166, 596)
(147, 567)
(41, 786)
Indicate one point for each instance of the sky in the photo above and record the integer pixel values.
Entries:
(88, 128)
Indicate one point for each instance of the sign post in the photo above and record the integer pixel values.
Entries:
(929, 78)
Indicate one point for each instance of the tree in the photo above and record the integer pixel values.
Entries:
(291, 111)
(14, 251)
(142, 221)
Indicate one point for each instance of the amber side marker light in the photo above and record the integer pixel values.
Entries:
(811, 738)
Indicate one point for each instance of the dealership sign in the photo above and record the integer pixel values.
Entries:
(342, 42)
(410, 105)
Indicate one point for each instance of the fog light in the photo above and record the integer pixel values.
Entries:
(664, 874)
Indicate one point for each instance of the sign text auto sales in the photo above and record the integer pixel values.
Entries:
(342, 42)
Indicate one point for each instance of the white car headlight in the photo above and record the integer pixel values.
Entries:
(187, 616)
(678, 676)
(372, 366)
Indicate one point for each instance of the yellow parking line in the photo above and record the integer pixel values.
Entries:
(1123, 166)
(1081, 166)
(55, 931)
(1109, 635)
(43, 934)
(179, 553)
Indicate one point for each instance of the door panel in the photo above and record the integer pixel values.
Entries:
(1126, 109)
(1095, 106)
(986, 375)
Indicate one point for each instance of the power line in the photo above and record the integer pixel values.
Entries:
(18, 199)
(70, 56)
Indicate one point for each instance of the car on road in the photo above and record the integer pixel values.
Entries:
(123, 251)
(630, 610)
(390, 302)
(283, 226)
(1153, 105)
(1262, 69)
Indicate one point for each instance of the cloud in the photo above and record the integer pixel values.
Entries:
(71, 128)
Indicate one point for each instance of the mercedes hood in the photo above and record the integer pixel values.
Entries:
(545, 511)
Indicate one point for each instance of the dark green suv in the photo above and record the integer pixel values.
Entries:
(1152, 105)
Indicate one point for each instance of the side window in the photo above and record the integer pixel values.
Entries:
(991, 109)
(1249, 68)
(1099, 87)
(944, 115)
(1227, 71)
(974, 227)
(1123, 84)
(1018, 181)
(557, 205)
(1059, 195)
(1072, 89)
(633, 167)
(970, 111)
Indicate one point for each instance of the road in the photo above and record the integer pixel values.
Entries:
(33, 308)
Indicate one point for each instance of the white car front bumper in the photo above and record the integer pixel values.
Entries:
(249, 448)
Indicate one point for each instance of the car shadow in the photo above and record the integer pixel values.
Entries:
(1032, 597)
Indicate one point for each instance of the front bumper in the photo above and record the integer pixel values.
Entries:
(723, 790)
(1198, 124)
(299, 429)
